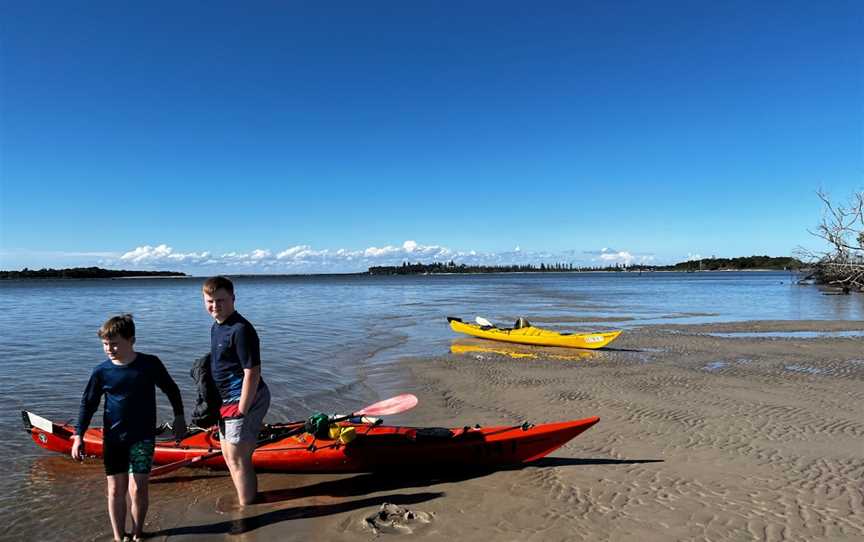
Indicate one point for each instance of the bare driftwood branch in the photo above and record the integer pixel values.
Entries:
(842, 226)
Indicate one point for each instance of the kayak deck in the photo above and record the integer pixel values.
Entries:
(375, 447)
(534, 335)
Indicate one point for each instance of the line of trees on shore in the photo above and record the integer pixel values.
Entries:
(706, 264)
(743, 264)
(83, 273)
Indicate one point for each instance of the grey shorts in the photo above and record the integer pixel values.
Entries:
(246, 428)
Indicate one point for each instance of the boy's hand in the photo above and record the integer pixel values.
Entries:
(179, 428)
(77, 448)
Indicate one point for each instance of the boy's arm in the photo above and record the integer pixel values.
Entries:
(89, 403)
(165, 383)
(251, 377)
(248, 349)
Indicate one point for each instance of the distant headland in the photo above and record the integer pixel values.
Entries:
(84, 273)
(749, 263)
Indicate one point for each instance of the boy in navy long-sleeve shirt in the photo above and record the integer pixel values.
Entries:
(128, 380)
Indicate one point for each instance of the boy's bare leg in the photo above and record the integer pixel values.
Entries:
(117, 487)
(139, 492)
(239, 460)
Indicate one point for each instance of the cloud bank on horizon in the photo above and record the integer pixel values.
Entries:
(305, 259)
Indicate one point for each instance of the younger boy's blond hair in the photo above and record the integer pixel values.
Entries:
(121, 325)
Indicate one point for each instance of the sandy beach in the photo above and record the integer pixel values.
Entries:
(689, 174)
(701, 438)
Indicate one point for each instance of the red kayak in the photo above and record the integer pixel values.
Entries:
(372, 447)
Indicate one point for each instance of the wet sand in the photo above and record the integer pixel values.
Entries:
(701, 438)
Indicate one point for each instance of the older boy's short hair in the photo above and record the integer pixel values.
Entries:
(121, 325)
(218, 283)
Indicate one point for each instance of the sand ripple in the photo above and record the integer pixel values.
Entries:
(757, 440)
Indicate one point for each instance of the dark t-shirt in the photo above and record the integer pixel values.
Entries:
(130, 398)
(234, 346)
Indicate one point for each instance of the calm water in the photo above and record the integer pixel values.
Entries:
(325, 339)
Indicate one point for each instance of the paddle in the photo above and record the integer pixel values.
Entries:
(387, 407)
(483, 322)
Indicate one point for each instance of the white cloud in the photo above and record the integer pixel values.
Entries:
(162, 253)
(294, 252)
(621, 257)
(306, 259)
(375, 252)
(608, 256)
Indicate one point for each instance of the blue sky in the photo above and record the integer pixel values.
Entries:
(315, 137)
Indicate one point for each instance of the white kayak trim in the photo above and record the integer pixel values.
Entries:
(483, 322)
(40, 423)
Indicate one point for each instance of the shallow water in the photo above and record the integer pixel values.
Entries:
(326, 343)
(804, 369)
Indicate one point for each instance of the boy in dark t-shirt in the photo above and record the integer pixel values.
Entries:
(128, 380)
(235, 359)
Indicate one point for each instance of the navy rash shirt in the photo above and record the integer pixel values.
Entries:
(130, 398)
(234, 346)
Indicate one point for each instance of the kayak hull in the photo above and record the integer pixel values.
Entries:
(375, 447)
(535, 335)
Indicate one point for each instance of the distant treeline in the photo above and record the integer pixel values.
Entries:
(705, 264)
(452, 267)
(749, 262)
(83, 273)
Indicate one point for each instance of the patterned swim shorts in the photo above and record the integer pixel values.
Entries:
(123, 457)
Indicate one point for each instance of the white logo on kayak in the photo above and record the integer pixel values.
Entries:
(43, 438)
(594, 339)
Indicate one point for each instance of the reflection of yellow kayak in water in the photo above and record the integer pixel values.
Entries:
(528, 334)
(461, 348)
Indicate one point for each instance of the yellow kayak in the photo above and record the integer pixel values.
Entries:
(528, 334)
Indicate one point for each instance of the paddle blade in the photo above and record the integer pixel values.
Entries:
(393, 405)
(483, 322)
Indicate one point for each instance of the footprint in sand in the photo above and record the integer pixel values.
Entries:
(227, 505)
(393, 519)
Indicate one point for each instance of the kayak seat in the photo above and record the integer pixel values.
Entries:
(165, 432)
(521, 322)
